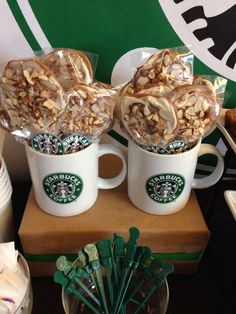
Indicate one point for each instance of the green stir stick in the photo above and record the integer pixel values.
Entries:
(138, 254)
(127, 264)
(118, 254)
(158, 280)
(142, 265)
(147, 274)
(69, 286)
(94, 263)
(75, 273)
(89, 271)
(105, 253)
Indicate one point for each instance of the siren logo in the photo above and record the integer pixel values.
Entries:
(47, 144)
(63, 187)
(177, 147)
(75, 143)
(209, 27)
(165, 188)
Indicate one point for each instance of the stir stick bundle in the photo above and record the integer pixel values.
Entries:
(108, 276)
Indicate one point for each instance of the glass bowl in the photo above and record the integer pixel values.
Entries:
(27, 303)
(157, 304)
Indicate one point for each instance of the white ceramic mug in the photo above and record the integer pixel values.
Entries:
(67, 185)
(161, 184)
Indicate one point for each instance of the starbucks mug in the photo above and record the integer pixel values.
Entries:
(67, 185)
(160, 184)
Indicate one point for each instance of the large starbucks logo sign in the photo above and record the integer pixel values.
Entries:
(165, 188)
(63, 187)
(209, 27)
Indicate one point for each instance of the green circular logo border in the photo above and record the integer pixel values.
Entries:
(53, 138)
(176, 194)
(48, 190)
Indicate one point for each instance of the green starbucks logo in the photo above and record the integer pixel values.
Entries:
(75, 143)
(165, 188)
(63, 187)
(47, 143)
(177, 147)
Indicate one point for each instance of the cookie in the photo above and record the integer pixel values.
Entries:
(196, 111)
(32, 96)
(203, 82)
(166, 67)
(230, 122)
(90, 111)
(149, 120)
(70, 67)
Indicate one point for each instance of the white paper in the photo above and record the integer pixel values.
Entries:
(13, 282)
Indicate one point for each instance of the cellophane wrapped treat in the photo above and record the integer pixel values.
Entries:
(54, 98)
(32, 97)
(70, 67)
(168, 67)
(89, 111)
(149, 120)
(190, 104)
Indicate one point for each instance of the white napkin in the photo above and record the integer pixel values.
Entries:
(13, 282)
(8, 256)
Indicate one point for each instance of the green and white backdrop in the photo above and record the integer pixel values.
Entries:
(110, 29)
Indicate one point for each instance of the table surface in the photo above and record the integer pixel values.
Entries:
(211, 289)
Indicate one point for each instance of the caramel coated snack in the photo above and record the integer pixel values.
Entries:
(154, 90)
(165, 68)
(70, 67)
(32, 96)
(203, 82)
(149, 120)
(90, 111)
(196, 112)
(230, 122)
(127, 89)
(5, 120)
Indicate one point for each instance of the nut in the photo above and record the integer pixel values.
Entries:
(149, 120)
(70, 66)
(196, 112)
(90, 110)
(29, 102)
(166, 66)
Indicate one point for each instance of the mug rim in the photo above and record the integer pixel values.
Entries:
(33, 151)
(165, 155)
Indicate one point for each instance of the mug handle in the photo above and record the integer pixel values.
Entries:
(117, 180)
(202, 183)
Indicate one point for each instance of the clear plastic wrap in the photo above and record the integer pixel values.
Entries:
(32, 97)
(196, 110)
(52, 101)
(160, 72)
(195, 99)
(215, 86)
(90, 110)
(70, 66)
(198, 106)
(168, 67)
(148, 120)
